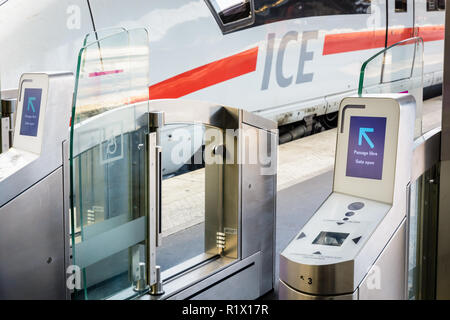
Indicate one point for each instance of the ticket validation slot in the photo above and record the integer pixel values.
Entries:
(354, 246)
(34, 180)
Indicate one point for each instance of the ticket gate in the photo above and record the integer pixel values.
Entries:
(354, 246)
(118, 242)
(168, 200)
(123, 240)
(34, 191)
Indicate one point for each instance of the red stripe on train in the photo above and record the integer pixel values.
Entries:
(205, 76)
(432, 33)
(245, 62)
(355, 41)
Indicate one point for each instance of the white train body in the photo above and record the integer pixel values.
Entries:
(294, 59)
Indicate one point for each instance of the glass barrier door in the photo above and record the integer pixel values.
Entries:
(424, 201)
(111, 170)
(396, 69)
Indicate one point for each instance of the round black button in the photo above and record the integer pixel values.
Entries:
(356, 206)
(345, 219)
(349, 214)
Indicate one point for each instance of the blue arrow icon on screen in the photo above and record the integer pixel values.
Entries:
(30, 104)
(363, 134)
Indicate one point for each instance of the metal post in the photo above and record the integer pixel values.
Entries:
(156, 121)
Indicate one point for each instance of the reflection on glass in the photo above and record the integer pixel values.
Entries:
(270, 11)
(232, 10)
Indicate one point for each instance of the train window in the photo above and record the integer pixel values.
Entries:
(401, 5)
(268, 11)
(435, 5)
(232, 15)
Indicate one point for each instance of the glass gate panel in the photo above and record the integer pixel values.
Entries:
(423, 208)
(396, 69)
(109, 190)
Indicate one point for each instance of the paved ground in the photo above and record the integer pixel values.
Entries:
(183, 202)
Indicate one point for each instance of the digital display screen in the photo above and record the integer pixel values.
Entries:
(30, 112)
(365, 153)
(327, 238)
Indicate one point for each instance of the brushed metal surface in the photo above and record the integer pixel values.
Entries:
(206, 277)
(285, 292)
(32, 240)
(175, 111)
(426, 152)
(386, 279)
(242, 285)
(259, 209)
(332, 279)
(254, 120)
(152, 230)
(215, 181)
